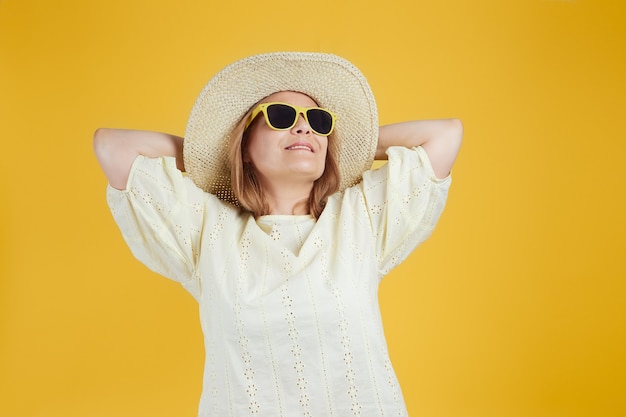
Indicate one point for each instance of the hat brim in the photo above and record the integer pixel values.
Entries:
(333, 82)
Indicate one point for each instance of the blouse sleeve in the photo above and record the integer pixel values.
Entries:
(160, 215)
(404, 200)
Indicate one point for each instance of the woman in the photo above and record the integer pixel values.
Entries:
(281, 232)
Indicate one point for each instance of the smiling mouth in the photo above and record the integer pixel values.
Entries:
(299, 147)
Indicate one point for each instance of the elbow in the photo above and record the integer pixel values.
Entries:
(99, 140)
(444, 152)
(455, 136)
(102, 142)
(104, 148)
(456, 128)
(113, 155)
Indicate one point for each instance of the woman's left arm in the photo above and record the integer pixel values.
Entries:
(441, 139)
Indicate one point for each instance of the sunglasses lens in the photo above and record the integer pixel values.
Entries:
(320, 120)
(281, 116)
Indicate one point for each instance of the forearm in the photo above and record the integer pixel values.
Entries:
(116, 149)
(441, 139)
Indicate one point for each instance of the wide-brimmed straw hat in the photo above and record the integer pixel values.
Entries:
(330, 80)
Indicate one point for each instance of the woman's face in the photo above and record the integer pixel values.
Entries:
(292, 154)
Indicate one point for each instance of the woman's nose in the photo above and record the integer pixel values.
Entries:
(301, 127)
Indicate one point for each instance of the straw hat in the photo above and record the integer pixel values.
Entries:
(331, 81)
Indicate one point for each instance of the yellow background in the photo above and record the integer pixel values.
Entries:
(516, 307)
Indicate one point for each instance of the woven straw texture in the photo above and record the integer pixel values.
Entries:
(331, 81)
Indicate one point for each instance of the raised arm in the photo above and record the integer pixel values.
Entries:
(441, 139)
(116, 149)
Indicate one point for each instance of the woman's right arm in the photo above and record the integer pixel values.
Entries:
(117, 149)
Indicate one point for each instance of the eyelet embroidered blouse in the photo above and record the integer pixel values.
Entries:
(288, 305)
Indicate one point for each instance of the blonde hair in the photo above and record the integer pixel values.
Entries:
(247, 189)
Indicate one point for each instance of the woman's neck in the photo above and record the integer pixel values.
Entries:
(290, 208)
(288, 200)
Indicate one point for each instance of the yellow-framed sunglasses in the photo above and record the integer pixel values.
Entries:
(283, 116)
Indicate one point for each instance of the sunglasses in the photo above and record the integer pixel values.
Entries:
(283, 116)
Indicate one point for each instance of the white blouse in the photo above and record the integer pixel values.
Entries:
(288, 305)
